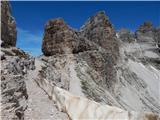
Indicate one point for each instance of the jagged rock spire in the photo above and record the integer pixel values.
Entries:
(99, 29)
(145, 33)
(8, 26)
(59, 38)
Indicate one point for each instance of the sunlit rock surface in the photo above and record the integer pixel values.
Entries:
(122, 71)
(91, 73)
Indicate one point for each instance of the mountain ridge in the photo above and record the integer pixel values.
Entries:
(118, 71)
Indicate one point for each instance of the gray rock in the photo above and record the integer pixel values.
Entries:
(13, 86)
(8, 26)
(13, 92)
(95, 43)
(99, 30)
(100, 71)
(59, 38)
(14, 67)
(20, 66)
(126, 35)
(157, 37)
(145, 33)
(2, 55)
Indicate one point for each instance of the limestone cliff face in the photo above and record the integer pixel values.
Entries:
(8, 25)
(15, 64)
(92, 63)
(95, 43)
(99, 29)
(145, 32)
(99, 64)
(59, 38)
(126, 35)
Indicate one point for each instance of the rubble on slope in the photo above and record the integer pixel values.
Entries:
(93, 62)
(13, 88)
(14, 66)
(104, 74)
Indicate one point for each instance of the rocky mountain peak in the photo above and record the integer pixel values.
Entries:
(99, 29)
(95, 42)
(126, 35)
(99, 17)
(98, 23)
(56, 34)
(145, 32)
(55, 25)
(145, 27)
(85, 74)
(59, 38)
(8, 25)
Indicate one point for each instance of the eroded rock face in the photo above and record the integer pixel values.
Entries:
(14, 96)
(99, 72)
(59, 38)
(14, 66)
(126, 35)
(102, 63)
(99, 30)
(145, 32)
(96, 27)
(146, 27)
(88, 109)
(13, 87)
(157, 37)
(95, 43)
(8, 26)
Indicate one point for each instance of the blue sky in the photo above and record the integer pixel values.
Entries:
(31, 17)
